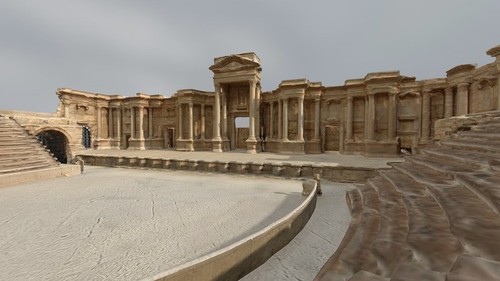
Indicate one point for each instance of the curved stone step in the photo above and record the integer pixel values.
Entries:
(391, 237)
(471, 219)
(489, 134)
(485, 185)
(422, 174)
(24, 168)
(442, 165)
(477, 160)
(486, 127)
(429, 235)
(471, 268)
(354, 252)
(488, 146)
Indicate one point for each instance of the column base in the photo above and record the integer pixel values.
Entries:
(251, 146)
(137, 144)
(217, 145)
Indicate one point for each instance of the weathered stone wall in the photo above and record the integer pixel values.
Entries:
(375, 115)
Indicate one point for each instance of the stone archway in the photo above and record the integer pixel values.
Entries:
(56, 142)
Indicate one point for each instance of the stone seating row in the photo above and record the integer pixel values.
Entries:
(434, 217)
(19, 151)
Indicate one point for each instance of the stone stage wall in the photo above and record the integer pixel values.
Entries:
(333, 173)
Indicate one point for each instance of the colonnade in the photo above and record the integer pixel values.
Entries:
(116, 121)
(190, 121)
(283, 120)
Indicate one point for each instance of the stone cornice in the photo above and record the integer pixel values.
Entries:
(463, 68)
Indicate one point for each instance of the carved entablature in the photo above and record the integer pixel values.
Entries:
(408, 94)
(434, 85)
(460, 74)
(299, 87)
(382, 89)
(463, 68)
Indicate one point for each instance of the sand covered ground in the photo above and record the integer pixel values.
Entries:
(126, 224)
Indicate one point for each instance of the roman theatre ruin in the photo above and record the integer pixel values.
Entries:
(432, 213)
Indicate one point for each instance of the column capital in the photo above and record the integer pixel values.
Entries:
(463, 85)
(349, 98)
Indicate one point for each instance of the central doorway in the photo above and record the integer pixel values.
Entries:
(241, 132)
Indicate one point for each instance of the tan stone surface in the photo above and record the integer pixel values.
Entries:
(434, 217)
(122, 224)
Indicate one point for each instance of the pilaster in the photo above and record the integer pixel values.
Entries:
(349, 119)
(462, 102)
(285, 119)
(426, 115)
(448, 102)
(316, 118)
(217, 141)
(300, 121)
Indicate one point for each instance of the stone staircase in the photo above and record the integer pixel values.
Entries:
(20, 151)
(434, 217)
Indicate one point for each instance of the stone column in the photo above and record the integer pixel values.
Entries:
(202, 122)
(190, 123)
(251, 129)
(217, 145)
(224, 114)
(371, 117)
(99, 120)
(300, 119)
(119, 123)
(448, 102)
(256, 105)
(426, 116)
(462, 98)
(66, 109)
(141, 122)
(271, 120)
(348, 118)
(110, 122)
(285, 119)
(316, 118)
(132, 122)
(495, 53)
(150, 122)
(179, 110)
(391, 117)
(280, 119)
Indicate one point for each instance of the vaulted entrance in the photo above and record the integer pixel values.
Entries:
(56, 142)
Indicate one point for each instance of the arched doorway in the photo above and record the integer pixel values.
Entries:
(56, 142)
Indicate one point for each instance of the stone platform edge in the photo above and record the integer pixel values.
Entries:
(240, 258)
(282, 169)
(39, 174)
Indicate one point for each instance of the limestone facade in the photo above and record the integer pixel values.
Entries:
(374, 116)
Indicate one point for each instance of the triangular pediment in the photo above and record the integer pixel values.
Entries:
(233, 63)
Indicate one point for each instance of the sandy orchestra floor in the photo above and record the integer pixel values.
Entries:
(124, 224)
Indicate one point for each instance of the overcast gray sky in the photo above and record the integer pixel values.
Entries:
(157, 47)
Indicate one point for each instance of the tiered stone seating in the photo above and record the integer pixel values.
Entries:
(434, 217)
(19, 151)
